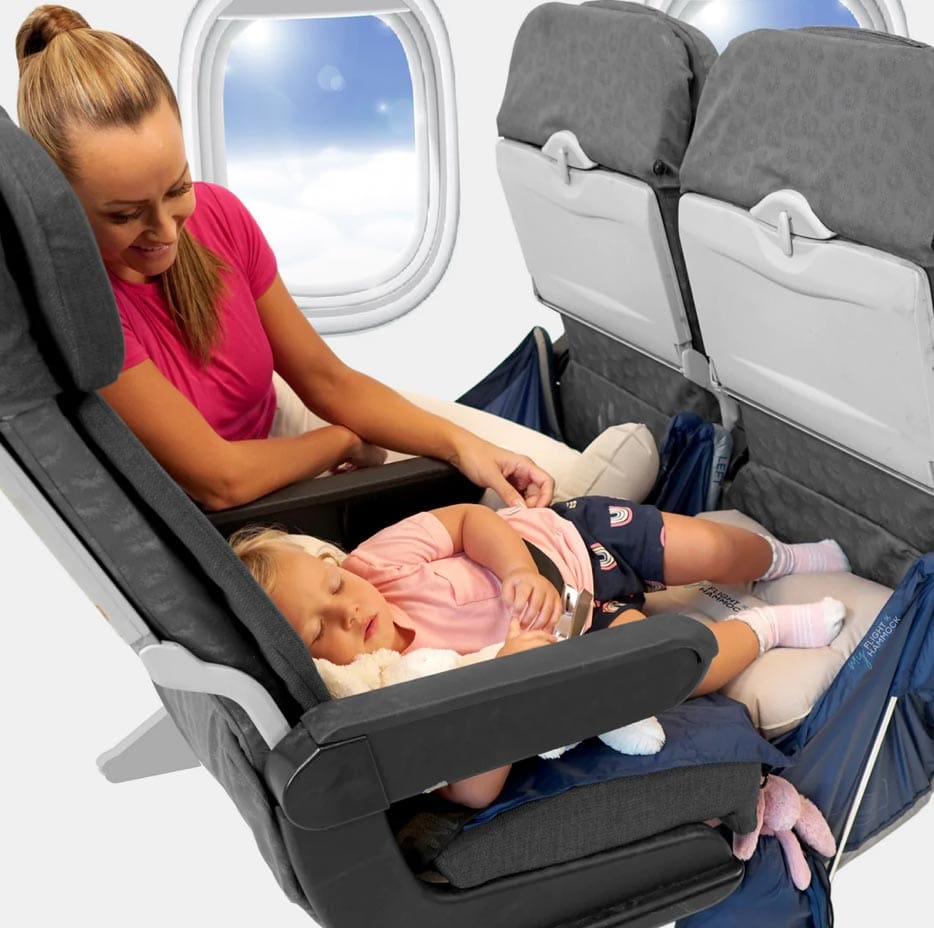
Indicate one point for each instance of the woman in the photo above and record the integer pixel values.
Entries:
(206, 317)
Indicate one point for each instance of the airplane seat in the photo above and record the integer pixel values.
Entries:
(807, 232)
(596, 115)
(318, 780)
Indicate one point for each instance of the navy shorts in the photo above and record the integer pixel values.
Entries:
(626, 541)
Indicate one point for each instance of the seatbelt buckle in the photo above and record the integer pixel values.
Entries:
(575, 610)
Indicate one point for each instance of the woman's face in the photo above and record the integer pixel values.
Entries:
(135, 186)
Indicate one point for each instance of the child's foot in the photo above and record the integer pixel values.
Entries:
(643, 737)
(819, 557)
(810, 625)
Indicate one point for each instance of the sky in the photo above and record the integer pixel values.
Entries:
(320, 140)
(314, 82)
(722, 20)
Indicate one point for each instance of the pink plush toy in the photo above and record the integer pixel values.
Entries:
(782, 811)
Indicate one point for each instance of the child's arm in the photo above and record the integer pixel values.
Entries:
(493, 543)
(479, 791)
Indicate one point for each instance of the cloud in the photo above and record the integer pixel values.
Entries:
(336, 218)
(381, 182)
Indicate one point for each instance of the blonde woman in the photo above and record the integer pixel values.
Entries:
(206, 318)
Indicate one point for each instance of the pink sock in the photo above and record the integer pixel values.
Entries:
(810, 625)
(818, 557)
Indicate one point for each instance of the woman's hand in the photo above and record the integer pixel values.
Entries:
(361, 455)
(534, 601)
(515, 477)
(518, 640)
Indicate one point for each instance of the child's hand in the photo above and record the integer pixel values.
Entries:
(518, 640)
(533, 600)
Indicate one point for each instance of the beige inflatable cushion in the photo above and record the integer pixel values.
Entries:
(780, 688)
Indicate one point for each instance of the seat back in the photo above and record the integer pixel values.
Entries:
(596, 115)
(86, 484)
(806, 224)
(808, 258)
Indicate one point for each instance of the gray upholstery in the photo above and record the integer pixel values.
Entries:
(843, 117)
(62, 271)
(790, 108)
(227, 743)
(25, 380)
(896, 506)
(623, 77)
(626, 80)
(132, 512)
(606, 382)
(580, 822)
(804, 489)
(60, 334)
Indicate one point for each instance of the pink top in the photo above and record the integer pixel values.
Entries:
(233, 391)
(448, 600)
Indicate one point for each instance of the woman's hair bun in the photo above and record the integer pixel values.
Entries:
(42, 25)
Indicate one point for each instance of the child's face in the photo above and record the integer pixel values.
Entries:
(337, 614)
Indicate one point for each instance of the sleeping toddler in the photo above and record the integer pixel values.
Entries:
(462, 578)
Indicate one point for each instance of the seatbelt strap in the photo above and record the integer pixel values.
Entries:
(575, 604)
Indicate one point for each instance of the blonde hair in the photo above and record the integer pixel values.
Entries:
(73, 75)
(257, 546)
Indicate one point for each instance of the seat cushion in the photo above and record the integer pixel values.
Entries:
(782, 686)
(575, 824)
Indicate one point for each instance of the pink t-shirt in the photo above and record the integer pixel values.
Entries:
(233, 391)
(446, 599)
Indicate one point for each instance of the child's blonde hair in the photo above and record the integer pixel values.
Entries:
(256, 546)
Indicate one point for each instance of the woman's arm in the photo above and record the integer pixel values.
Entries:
(216, 472)
(492, 542)
(379, 415)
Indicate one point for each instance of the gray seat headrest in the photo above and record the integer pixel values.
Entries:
(624, 78)
(59, 326)
(843, 116)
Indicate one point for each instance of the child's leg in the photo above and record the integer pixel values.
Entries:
(754, 631)
(697, 549)
(739, 647)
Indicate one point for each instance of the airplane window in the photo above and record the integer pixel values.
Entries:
(722, 20)
(320, 143)
(333, 121)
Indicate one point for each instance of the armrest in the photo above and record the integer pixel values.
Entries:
(347, 508)
(355, 756)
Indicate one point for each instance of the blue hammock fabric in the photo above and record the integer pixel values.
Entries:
(768, 899)
(693, 461)
(523, 387)
(707, 730)
(830, 747)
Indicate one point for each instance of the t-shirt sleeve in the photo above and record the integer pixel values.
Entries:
(258, 261)
(398, 549)
(133, 350)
